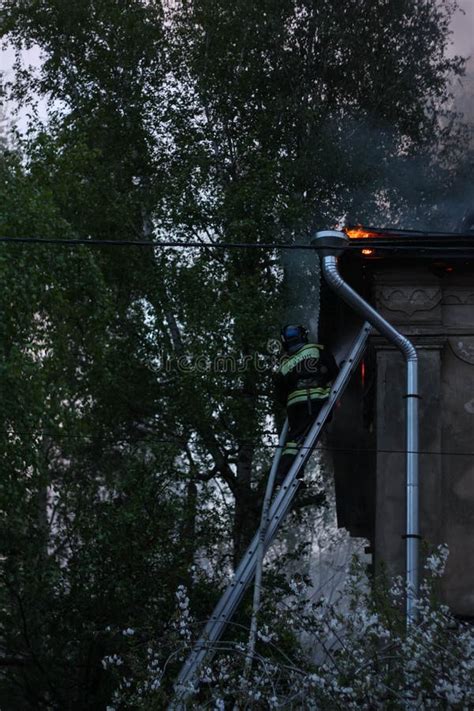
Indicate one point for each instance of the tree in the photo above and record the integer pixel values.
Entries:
(203, 121)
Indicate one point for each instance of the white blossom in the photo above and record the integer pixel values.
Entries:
(436, 562)
(112, 661)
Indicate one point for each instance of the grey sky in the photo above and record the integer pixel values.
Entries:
(463, 29)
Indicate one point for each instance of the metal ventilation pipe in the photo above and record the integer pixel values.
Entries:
(332, 244)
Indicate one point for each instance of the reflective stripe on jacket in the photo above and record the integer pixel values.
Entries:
(290, 362)
(305, 375)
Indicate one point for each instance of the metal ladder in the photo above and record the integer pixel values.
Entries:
(245, 572)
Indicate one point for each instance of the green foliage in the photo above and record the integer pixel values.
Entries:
(210, 121)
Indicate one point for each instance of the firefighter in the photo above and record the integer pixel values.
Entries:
(302, 384)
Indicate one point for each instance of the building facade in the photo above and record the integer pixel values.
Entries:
(430, 299)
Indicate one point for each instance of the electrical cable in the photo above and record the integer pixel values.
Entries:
(356, 245)
(170, 440)
(149, 243)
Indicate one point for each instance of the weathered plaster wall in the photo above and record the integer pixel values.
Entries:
(437, 313)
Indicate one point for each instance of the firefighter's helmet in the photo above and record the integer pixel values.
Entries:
(293, 337)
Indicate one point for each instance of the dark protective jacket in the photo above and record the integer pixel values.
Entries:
(306, 375)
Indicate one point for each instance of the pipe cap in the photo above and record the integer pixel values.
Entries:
(333, 242)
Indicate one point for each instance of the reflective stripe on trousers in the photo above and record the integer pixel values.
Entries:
(290, 450)
(307, 394)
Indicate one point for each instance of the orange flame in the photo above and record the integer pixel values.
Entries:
(359, 232)
(367, 251)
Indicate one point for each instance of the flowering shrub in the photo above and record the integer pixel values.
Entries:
(361, 655)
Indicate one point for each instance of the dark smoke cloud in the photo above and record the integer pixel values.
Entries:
(302, 279)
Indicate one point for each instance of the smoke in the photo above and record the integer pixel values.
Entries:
(302, 287)
(463, 44)
(381, 183)
(378, 185)
(397, 187)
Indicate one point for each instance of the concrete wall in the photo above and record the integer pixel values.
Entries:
(437, 313)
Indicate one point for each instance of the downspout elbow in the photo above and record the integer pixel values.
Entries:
(352, 298)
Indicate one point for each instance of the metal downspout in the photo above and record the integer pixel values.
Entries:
(334, 243)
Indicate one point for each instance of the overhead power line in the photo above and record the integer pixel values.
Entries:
(150, 243)
(356, 245)
(151, 439)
